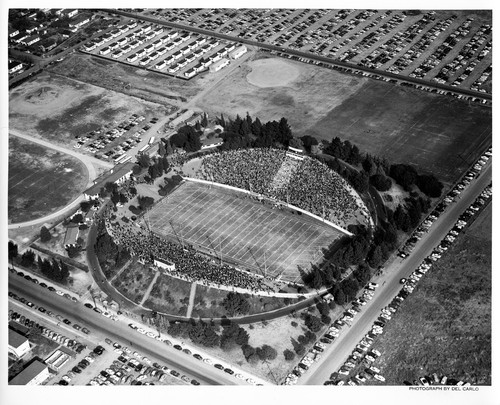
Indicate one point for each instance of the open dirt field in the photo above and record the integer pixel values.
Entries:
(244, 231)
(118, 77)
(59, 109)
(444, 326)
(41, 180)
(437, 133)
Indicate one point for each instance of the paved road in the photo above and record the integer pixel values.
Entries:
(119, 331)
(336, 354)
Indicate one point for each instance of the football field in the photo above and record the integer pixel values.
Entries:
(242, 231)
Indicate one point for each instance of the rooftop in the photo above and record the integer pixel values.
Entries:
(30, 372)
(15, 339)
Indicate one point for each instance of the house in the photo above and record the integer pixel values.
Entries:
(69, 13)
(34, 374)
(117, 175)
(238, 52)
(15, 67)
(48, 44)
(71, 237)
(13, 32)
(79, 21)
(30, 40)
(18, 344)
(219, 65)
(211, 143)
(19, 37)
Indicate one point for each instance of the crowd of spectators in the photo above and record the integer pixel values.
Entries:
(248, 169)
(189, 264)
(307, 184)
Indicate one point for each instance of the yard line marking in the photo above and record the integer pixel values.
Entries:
(263, 224)
(247, 232)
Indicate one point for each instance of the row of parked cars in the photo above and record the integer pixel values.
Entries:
(433, 216)
(50, 334)
(195, 355)
(34, 280)
(361, 353)
(82, 365)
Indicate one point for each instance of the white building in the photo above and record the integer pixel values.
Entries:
(35, 374)
(219, 65)
(164, 264)
(18, 344)
(238, 52)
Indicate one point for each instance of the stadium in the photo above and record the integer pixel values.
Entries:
(248, 220)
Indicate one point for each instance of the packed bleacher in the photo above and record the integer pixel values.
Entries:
(307, 184)
(189, 264)
(248, 169)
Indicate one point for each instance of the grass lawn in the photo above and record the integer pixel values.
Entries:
(134, 281)
(444, 327)
(169, 295)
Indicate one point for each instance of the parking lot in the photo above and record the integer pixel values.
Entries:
(412, 44)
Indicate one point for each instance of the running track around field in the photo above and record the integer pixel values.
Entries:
(222, 222)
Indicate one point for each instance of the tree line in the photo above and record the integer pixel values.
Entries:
(53, 269)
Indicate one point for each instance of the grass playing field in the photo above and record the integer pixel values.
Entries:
(245, 232)
(41, 180)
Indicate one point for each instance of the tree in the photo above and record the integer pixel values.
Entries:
(289, 355)
(312, 322)
(144, 160)
(247, 351)
(235, 303)
(85, 206)
(77, 219)
(136, 169)
(28, 258)
(204, 121)
(12, 250)
(405, 175)
(64, 271)
(266, 352)
(45, 235)
(161, 148)
(381, 182)
(296, 143)
(430, 185)
(145, 202)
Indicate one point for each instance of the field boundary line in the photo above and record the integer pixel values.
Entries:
(325, 221)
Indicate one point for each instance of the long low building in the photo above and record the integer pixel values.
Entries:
(215, 67)
(117, 175)
(34, 374)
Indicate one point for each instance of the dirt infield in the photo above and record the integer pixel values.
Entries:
(41, 180)
(244, 231)
(305, 100)
(59, 109)
(272, 73)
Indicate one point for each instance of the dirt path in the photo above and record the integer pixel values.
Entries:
(191, 300)
(148, 291)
